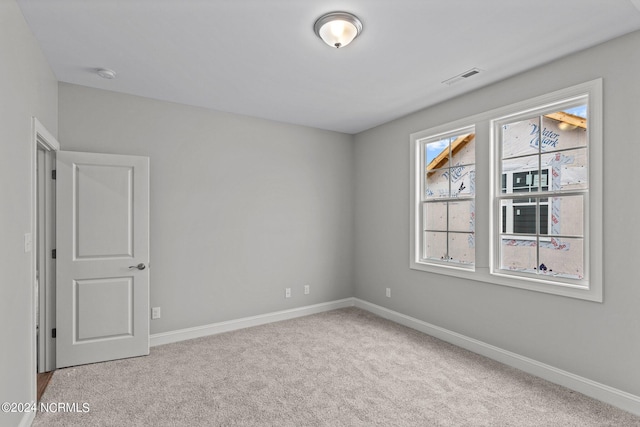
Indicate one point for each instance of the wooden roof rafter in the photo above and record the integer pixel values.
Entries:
(569, 119)
(442, 158)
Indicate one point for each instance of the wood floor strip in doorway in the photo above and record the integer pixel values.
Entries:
(43, 382)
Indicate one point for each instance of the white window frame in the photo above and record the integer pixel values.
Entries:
(488, 185)
(419, 142)
(451, 198)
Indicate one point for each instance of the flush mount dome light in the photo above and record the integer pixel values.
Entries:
(338, 29)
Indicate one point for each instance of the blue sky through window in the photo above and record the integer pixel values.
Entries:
(580, 111)
(435, 148)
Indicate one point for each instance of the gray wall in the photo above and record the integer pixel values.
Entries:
(241, 208)
(597, 341)
(27, 88)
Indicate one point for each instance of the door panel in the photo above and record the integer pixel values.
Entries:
(103, 309)
(102, 231)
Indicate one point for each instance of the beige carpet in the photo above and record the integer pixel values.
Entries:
(341, 368)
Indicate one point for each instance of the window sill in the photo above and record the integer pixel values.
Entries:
(581, 291)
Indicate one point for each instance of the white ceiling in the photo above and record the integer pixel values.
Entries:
(261, 57)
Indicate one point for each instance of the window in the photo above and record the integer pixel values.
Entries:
(531, 217)
(543, 153)
(447, 198)
(519, 215)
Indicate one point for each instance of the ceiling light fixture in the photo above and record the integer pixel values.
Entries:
(338, 29)
(106, 73)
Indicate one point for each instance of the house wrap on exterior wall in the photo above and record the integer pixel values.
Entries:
(528, 224)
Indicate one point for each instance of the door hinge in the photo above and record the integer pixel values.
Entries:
(53, 333)
(53, 254)
(53, 174)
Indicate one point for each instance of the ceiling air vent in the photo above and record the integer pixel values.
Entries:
(460, 77)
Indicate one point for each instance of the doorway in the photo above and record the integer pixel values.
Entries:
(43, 236)
(90, 276)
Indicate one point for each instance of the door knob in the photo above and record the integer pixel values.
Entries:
(140, 266)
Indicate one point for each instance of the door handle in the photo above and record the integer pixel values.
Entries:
(140, 266)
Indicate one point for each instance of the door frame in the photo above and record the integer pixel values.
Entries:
(42, 139)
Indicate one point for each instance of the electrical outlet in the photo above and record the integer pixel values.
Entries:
(28, 242)
(307, 289)
(287, 293)
(155, 313)
(388, 292)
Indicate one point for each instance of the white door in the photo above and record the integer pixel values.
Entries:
(102, 234)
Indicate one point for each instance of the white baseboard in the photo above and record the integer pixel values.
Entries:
(246, 322)
(27, 419)
(602, 392)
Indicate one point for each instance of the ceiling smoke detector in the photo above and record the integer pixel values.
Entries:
(106, 73)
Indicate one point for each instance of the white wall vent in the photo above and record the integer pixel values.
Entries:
(460, 77)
